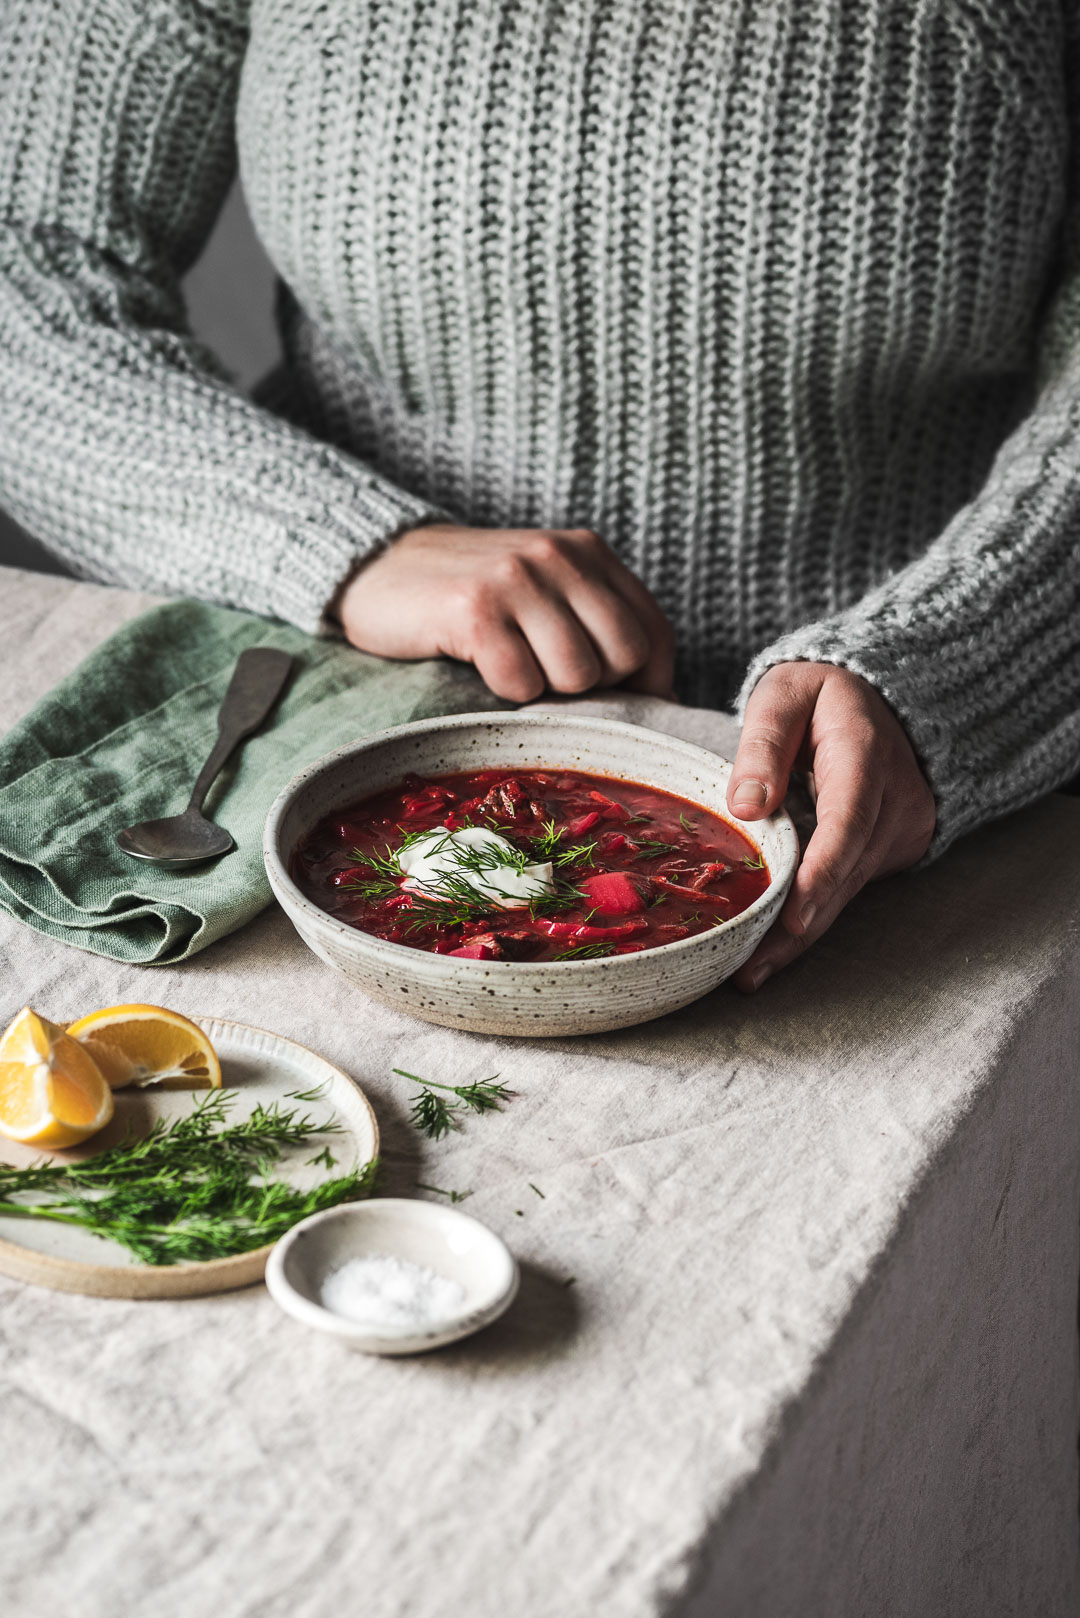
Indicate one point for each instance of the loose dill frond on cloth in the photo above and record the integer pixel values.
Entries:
(435, 1117)
(193, 1188)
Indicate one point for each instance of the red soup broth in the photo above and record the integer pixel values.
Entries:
(634, 867)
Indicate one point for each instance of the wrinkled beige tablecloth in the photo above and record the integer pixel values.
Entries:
(819, 1359)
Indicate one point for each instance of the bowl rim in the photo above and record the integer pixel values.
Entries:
(279, 877)
(320, 1318)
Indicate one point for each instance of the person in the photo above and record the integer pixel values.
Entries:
(725, 347)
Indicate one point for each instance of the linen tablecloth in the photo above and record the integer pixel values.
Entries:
(818, 1356)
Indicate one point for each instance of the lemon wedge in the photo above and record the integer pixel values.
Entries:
(142, 1045)
(52, 1092)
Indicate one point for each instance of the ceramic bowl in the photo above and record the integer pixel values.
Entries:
(440, 1239)
(524, 997)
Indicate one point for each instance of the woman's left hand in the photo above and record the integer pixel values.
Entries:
(875, 811)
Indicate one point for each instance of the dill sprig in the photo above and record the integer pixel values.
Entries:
(452, 899)
(653, 849)
(755, 864)
(455, 1196)
(435, 1117)
(584, 952)
(551, 845)
(193, 1188)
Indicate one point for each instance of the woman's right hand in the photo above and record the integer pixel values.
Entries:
(533, 609)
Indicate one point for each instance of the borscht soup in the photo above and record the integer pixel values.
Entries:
(528, 865)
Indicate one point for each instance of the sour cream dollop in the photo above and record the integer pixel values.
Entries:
(441, 853)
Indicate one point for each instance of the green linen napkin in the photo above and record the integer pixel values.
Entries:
(122, 739)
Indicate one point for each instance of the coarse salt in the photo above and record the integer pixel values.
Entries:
(383, 1291)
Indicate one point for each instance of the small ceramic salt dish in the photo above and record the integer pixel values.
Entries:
(442, 1242)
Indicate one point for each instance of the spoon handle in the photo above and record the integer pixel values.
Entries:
(256, 684)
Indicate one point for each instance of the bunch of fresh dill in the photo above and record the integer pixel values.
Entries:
(193, 1188)
(435, 1117)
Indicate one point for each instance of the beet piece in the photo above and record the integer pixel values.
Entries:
(609, 809)
(613, 893)
(583, 823)
(343, 879)
(582, 932)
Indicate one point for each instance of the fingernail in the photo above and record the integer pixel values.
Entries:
(749, 795)
(757, 978)
(807, 914)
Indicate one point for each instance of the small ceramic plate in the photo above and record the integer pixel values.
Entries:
(443, 1240)
(258, 1067)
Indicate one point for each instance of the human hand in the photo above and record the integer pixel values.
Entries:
(875, 811)
(531, 608)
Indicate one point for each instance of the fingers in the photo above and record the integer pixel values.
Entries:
(655, 676)
(505, 663)
(774, 728)
(875, 810)
(844, 853)
(791, 935)
(587, 620)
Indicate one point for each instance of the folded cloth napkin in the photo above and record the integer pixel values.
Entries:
(122, 739)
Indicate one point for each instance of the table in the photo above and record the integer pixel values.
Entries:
(818, 1356)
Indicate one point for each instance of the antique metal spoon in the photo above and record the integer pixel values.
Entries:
(190, 838)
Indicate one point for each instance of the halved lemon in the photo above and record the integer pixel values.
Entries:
(143, 1045)
(52, 1092)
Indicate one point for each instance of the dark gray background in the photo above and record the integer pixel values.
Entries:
(229, 295)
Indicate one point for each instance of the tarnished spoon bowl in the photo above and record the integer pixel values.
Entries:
(177, 840)
(189, 838)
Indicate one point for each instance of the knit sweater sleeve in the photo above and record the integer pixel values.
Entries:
(976, 644)
(124, 448)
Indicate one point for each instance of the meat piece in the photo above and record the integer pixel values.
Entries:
(504, 801)
(484, 947)
(708, 873)
(520, 946)
(678, 891)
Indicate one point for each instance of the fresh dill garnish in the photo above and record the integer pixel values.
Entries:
(452, 900)
(551, 845)
(685, 824)
(652, 849)
(325, 1157)
(455, 1196)
(584, 952)
(538, 1191)
(757, 864)
(193, 1188)
(435, 1117)
(640, 820)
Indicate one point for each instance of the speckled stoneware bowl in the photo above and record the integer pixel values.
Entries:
(523, 997)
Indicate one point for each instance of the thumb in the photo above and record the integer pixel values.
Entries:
(777, 715)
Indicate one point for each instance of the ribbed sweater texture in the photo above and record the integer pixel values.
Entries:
(779, 296)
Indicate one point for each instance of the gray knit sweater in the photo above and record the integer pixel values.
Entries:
(779, 296)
